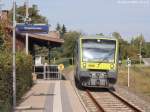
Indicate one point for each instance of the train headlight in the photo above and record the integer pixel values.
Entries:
(111, 66)
(84, 65)
(98, 40)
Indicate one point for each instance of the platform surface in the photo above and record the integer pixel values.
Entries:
(51, 96)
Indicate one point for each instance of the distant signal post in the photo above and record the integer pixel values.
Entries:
(129, 65)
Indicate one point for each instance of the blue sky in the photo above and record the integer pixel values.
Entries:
(96, 16)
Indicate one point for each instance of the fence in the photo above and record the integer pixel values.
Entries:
(48, 72)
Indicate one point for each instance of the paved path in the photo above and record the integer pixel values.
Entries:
(51, 96)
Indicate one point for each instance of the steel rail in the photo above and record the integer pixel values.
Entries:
(125, 101)
(99, 107)
(114, 94)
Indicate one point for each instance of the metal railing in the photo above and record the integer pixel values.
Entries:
(50, 72)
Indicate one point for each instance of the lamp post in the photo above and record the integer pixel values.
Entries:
(14, 54)
(140, 52)
(0, 8)
(26, 20)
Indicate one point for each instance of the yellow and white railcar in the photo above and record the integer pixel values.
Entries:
(96, 61)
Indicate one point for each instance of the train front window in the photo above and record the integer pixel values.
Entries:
(98, 50)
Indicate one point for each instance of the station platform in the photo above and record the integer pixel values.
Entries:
(51, 96)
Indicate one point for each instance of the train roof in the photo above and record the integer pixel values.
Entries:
(98, 37)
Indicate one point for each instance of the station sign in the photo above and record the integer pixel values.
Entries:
(32, 28)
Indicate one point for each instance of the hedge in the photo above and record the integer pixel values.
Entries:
(23, 78)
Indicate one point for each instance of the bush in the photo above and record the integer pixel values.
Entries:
(23, 77)
(66, 62)
(136, 61)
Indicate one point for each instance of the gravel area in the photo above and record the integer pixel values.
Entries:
(133, 98)
(122, 91)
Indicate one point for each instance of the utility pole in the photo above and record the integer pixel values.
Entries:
(140, 52)
(0, 8)
(128, 76)
(26, 20)
(14, 54)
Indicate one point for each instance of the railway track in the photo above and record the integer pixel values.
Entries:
(107, 101)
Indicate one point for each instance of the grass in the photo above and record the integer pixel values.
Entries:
(139, 79)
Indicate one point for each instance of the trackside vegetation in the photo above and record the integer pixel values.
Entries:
(23, 72)
(139, 80)
(23, 77)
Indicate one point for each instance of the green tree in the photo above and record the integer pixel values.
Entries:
(5, 39)
(123, 50)
(58, 27)
(40, 50)
(137, 41)
(70, 42)
(1, 38)
(100, 34)
(33, 14)
(146, 50)
(117, 36)
(63, 30)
